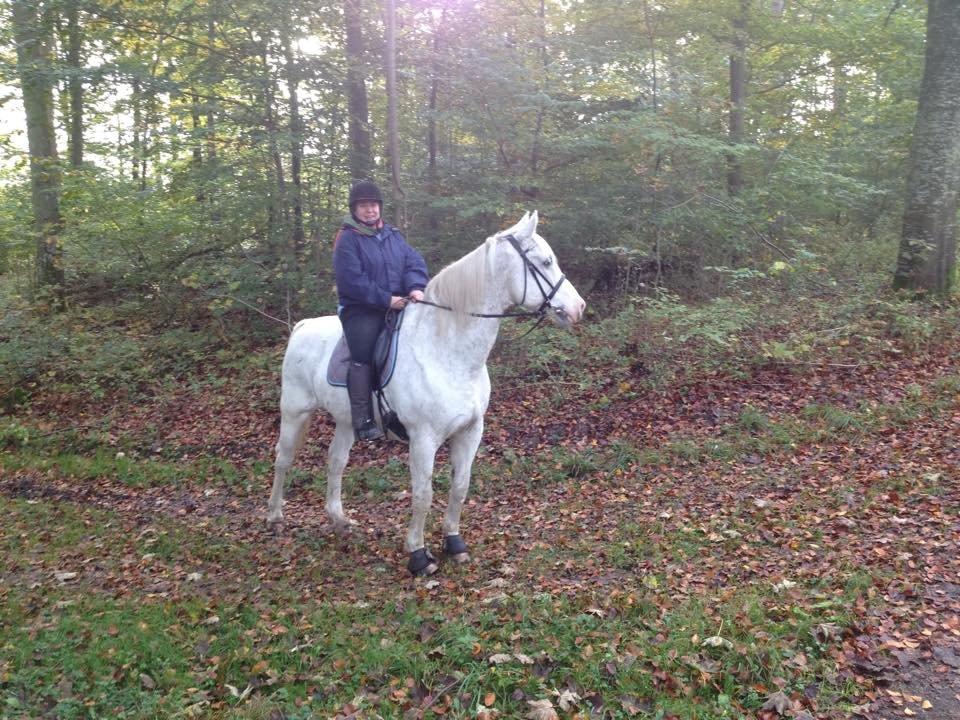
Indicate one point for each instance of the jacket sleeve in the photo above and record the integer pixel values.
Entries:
(415, 275)
(353, 282)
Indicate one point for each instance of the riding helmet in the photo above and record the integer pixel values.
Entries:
(364, 190)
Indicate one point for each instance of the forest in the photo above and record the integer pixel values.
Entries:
(729, 492)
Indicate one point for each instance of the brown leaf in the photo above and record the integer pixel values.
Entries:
(541, 710)
(946, 656)
(778, 702)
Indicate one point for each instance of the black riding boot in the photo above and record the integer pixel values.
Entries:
(358, 387)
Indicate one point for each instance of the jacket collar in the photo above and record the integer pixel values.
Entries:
(351, 222)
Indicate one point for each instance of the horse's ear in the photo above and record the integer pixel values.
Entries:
(526, 226)
(533, 222)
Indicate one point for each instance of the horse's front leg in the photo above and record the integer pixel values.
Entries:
(422, 453)
(338, 454)
(463, 449)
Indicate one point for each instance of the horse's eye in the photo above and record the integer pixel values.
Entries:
(548, 262)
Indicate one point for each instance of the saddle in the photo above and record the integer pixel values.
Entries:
(384, 358)
(383, 361)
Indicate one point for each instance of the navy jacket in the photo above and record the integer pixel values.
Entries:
(370, 266)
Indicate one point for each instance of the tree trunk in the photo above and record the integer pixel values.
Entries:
(136, 97)
(433, 180)
(212, 81)
(358, 120)
(278, 206)
(296, 144)
(33, 33)
(196, 131)
(75, 83)
(928, 244)
(738, 92)
(541, 110)
(393, 136)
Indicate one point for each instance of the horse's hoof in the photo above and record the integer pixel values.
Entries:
(275, 525)
(422, 563)
(456, 549)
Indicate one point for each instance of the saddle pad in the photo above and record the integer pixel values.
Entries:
(385, 359)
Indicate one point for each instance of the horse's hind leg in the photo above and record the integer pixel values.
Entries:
(293, 428)
(463, 449)
(339, 453)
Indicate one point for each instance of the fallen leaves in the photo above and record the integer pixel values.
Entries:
(541, 710)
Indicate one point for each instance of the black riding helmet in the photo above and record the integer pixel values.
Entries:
(364, 190)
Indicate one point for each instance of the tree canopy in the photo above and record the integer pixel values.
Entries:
(207, 146)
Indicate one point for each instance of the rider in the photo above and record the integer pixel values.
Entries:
(376, 270)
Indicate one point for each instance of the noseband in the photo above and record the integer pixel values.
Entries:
(537, 277)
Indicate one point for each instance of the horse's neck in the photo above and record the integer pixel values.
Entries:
(464, 345)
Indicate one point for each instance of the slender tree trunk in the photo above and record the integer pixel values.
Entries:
(197, 130)
(433, 179)
(212, 81)
(358, 116)
(33, 32)
(393, 136)
(541, 110)
(75, 83)
(738, 92)
(136, 98)
(296, 144)
(278, 212)
(928, 244)
(197, 150)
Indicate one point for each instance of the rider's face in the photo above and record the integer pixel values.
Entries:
(368, 211)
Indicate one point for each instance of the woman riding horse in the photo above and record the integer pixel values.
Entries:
(376, 270)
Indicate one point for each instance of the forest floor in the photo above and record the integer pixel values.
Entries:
(829, 491)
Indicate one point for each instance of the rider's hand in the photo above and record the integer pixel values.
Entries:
(397, 302)
(416, 295)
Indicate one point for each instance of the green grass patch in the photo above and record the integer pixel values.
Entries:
(128, 469)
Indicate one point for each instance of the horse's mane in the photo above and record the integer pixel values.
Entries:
(462, 285)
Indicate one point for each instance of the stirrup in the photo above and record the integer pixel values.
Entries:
(368, 430)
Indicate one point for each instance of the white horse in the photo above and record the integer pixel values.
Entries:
(439, 388)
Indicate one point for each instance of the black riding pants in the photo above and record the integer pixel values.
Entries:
(361, 326)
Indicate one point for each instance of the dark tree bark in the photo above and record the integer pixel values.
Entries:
(928, 243)
(358, 116)
(33, 32)
(738, 94)
(75, 83)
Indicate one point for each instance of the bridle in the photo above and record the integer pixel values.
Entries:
(547, 289)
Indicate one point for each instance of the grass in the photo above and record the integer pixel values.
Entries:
(137, 472)
(79, 655)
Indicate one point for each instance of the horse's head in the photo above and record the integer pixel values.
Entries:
(533, 275)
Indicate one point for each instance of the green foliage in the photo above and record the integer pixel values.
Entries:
(195, 210)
